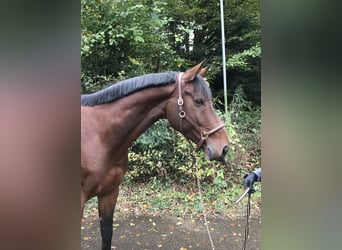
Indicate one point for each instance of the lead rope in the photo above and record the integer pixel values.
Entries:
(247, 221)
(248, 212)
(202, 203)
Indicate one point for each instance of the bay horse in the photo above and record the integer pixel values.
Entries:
(113, 118)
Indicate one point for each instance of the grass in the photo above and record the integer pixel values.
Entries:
(168, 199)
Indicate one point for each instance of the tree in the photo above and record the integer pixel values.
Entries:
(124, 38)
(134, 37)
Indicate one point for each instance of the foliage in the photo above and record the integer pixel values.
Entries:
(169, 199)
(245, 120)
(127, 38)
(241, 60)
(124, 38)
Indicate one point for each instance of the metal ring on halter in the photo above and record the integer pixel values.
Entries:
(204, 135)
(180, 101)
(182, 114)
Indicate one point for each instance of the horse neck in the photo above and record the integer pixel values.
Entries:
(131, 116)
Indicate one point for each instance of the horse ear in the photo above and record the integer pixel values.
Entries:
(190, 74)
(204, 70)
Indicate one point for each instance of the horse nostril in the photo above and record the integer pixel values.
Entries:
(225, 150)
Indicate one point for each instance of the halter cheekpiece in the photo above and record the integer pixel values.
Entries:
(182, 115)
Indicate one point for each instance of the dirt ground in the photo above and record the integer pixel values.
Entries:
(173, 233)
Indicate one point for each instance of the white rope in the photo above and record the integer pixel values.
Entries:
(204, 210)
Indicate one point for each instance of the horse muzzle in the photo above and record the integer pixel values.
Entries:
(214, 155)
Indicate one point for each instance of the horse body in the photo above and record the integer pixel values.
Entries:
(108, 129)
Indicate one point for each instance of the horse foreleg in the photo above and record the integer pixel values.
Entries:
(83, 201)
(106, 209)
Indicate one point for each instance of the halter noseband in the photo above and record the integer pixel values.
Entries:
(182, 115)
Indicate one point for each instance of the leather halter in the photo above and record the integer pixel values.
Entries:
(182, 115)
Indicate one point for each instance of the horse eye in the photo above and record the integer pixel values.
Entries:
(199, 102)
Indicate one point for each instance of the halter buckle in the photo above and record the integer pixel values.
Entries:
(204, 135)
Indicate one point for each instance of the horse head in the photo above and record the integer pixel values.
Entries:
(191, 112)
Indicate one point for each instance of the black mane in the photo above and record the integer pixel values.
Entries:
(132, 85)
(127, 87)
